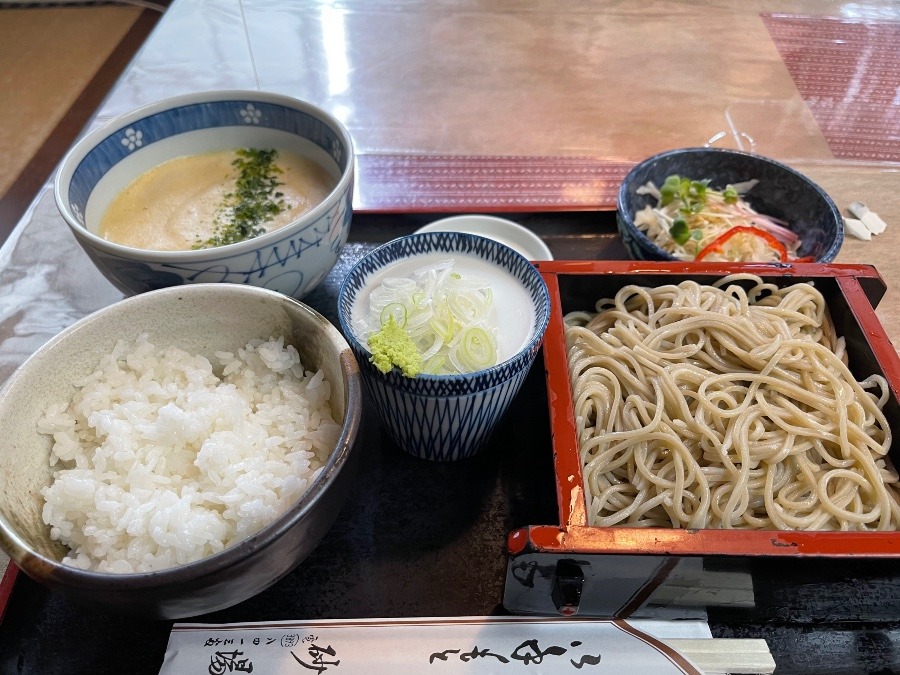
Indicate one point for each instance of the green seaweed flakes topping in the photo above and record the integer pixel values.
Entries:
(254, 202)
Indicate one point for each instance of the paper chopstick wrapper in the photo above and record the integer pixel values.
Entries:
(471, 645)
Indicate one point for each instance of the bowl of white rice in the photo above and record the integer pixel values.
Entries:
(179, 451)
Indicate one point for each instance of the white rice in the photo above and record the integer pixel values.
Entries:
(162, 462)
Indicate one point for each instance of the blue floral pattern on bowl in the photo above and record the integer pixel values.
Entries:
(445, 417)
(183, 119)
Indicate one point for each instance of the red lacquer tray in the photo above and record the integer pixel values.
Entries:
(571, 567)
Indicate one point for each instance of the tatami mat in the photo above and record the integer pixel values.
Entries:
(49, 55)
(56, 64)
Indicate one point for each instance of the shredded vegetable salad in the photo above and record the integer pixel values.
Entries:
(445, 315)
(693, 221)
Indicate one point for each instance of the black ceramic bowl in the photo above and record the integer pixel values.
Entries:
(781, 193)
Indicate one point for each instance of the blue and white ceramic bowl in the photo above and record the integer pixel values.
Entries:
(446, 417)
(292, 260)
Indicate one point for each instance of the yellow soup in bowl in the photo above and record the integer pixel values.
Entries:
(215, 198)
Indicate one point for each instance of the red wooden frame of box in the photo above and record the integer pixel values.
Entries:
(861, 286)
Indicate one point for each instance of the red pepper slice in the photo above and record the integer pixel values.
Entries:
(717, 245)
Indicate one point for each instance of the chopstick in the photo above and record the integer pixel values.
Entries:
(727, 655)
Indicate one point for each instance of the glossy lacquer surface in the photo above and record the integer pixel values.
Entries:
(572, 568)
(421, 539)
(520, 106)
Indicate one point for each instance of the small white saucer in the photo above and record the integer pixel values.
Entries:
(507, 232)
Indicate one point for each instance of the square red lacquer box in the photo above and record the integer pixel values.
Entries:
(572, 568)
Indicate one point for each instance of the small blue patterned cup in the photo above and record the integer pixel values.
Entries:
(292, 260)
(445, 417)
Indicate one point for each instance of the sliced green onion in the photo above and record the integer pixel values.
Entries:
(438, 308)
(477, 348)
(434, 365)
(442, 328)
(466, 306)
(396, 310)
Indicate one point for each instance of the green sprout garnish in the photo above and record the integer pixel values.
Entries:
(691, 193)
(679, 231)
(669, 190)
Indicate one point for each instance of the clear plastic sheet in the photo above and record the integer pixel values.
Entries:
(615, 80)
(544, 106)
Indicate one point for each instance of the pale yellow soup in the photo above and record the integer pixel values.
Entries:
(174, 206)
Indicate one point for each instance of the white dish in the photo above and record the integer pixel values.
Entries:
(517, 237)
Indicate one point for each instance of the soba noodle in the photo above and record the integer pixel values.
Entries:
(727, 407)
